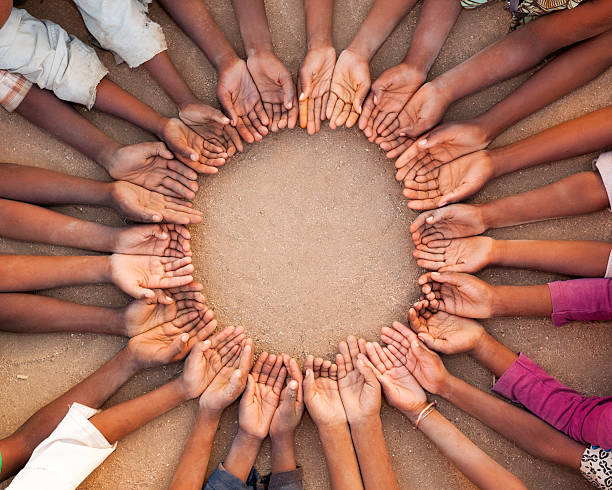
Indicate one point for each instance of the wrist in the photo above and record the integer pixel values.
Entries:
(259, 48)
(160, 126)
(360, 50)
(487, 126)
(284, 438)
(212, 415)
(104, 157)
(497, 252)
(415, 67)
(247, 439)
(488, 215)
(129, 360)
(319, 42)
(364, 421)
(225, 61)
(412, 414)
(499, 302)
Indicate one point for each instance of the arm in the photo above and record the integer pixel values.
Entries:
(340, 456)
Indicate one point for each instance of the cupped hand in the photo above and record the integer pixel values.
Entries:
(349, 86)
(240, 98)
(457, 255)
(152, 166)
(458, 294)
(424, 364)
(454, 221)
(262, 395)
(321, 393)
(314, 83)
(161, 240)
(139, 204)
(276, 88)
(207, 358)
(390, 93)
(229, 383)
(138, 275)
(171, 341)
(452, 182)
(360, 395)
(291, 406)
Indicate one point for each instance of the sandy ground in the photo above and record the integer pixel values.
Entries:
(305, 241)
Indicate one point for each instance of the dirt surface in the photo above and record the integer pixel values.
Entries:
(305, 241)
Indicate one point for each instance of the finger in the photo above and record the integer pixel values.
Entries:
(325, 368)
(332, 98)
(353, 347)
(233, 135)
(324, 102)
(266, 369)
(256, 371)
(303, 109)
(352, 119)
(345, 352)
(246, 357)
(344, 114)
(361, 94)
(261, 113)
(275, 371)
(282, 123)
(226, 101)
(342, 371)
(368, 106)
(259, 126)
(308, 363)
(279, 380)
(368, 371)
(316, 113)
(382, 356)
(243, 130)
(288, 89)
(311, 128)
(375, 358)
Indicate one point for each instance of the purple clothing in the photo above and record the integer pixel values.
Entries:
(581, 299)
(585, 419)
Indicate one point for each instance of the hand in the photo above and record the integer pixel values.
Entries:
(190, 148)
(276, 87)
(394, 144)
(402, 391)
(314, 83)
(137, 275)
(457, 255)
(291, 407)
(262, 395)
(443, 144)
(349, 86)
(171, 341)
(458, 294)
(321, 393)
(229, 383)
(213, 126)
(389, 95)
(241, 100)
(159, 240)
(360, 395)
(207, 358)
(144, 314)
(142, 205)
(442, 332)
(425, 365)
(152, 166)
(455, 221)
(452, 182)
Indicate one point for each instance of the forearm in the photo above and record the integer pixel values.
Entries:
(493, 355)
(47, 187)
(242, 455)
(557, 78)
(195, 19)
(117, 422)
(31, 273)
(372, 454)
(577, 194)
(381, 20)
(191, 470)
(166, 75)
(578, 136)
(436, 20)
(472, 461)
(282, 453)
(21, 221)
(31, 313)
(587, 300)
(340, 457)
(527, 431)
(251, 15)
(572, 258)
(92, 392)
(319, 20)
(45, 110)
(521, 301)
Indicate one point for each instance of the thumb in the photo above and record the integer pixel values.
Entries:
(141, 293)
(377, 94)
(292, 389)
(236, 383)
(308, 380)
(359, 97)
(218, 116)
(428, 340)
(365, 369)
(226, 101)
(305, 83)
(450, 197)
(288, 90)
(431, 139)
(177, 346)
(249, 392)
(453, 278)
(160, 149)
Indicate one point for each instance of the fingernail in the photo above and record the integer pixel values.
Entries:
(168, 298)
(157, 217)
(225, 120)
(423, 142)
(435, 274)
(194, 157)
(302, 96)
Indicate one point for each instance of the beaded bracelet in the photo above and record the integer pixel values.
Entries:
(424, 413)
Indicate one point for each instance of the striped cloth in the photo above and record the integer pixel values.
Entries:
(13, 89)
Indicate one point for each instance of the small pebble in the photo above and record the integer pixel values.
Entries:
(22, 376)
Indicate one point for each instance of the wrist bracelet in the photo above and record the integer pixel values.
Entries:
(424, 413)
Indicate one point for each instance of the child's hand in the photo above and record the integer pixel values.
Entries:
(321, 394)
(454, 221)
(349, 87)
(138, 275)
(445, 333)
(291, 407)
(388, 96)
(360, 395)
(140, 204)
(229, 383)
(458, 294)
(262, 395)
(152, 166)
(144, 314)
(402, 390)
(207, 358)
(241, 100)
(277, 90)
(457, 255)
(424, 364)
(314, 83)
(171, 341)
(161, 240)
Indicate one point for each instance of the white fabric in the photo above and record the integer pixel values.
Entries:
(64, 459)
(123, 27)
(45, 54)
(609, 268)
(603, 165)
